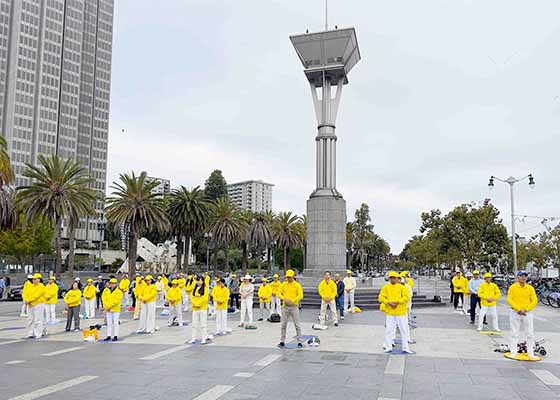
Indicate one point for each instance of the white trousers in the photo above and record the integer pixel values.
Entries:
(276, 305)
(247, 310)
(492, 312)
(391, 324)
(522, 324)
(24, 310)
(50, 313)
(147, 321)
(126, 300)
(160, 297)
(349, 300)
(113, 323)
(323, 315)
(35, 321)
(262, 308)
(89, 306)
(200, 325)
(221, 321)
(176, 311)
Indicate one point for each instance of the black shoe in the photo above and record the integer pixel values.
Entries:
(281, 344)
(107, 339)
(300, 345)
(485, 323)
(67, 330)
(115, 339)
(472, 322)
(336, 324)
(260, 319)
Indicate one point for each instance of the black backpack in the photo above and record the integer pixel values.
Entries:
(274, 318)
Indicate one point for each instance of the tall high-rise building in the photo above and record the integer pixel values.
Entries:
(163, 187)
(251, 195)
(55, 79)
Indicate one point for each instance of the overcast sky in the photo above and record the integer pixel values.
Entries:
(447, 94)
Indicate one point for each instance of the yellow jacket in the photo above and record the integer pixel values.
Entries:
(26, 286)
(459, 284)
(221, 295)
(73, 297)
(89, 292)
(139, 289)
(34, 294)
(265, 293)
(522, 298)
(199, 302)
(394, 293)
(165, 282)
(124, 285)
(112, 300)
(327, 289)
(207, 280)
(174, 295)
(149, 293)
(410, 282)
(51, 293)
(182, 282)
(291, 291)
(275, 286)
(488, 290)
(190, 286)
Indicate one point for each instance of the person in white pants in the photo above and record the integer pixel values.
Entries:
(394, 298)
(51, 298)
(199, 302)
(522, 300)
(147, 323)
(327, 291)
(220, 294)
(89, 295)
(174, 298)
(34, 297)
(111, 299)
(265, 296)
(275, 302)
(160, 289)
(489, 293)
(24, 307)
(349, 289)
(246, 291)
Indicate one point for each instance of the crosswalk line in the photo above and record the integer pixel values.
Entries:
(214, 393)
(265, 361)
(395, 365)
(56, 353)
(14, 362)
(54, 388)
(244, 375)
(11, 342)
(165, 352)
(547, 377)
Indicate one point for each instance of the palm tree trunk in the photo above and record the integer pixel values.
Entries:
(285, 258)
(244, 258)
(70, 258)
(186, 252)
(132, 254)
(269, 258)
(58, 246)
(179, 252)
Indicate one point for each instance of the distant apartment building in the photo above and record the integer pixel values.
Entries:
(164, 186)
(251, 195)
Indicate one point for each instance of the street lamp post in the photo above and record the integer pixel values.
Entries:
(208, 237)
(511, 181)
(101, 229)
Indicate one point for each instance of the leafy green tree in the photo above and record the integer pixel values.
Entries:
(363, 231)
(215, 186)
(286, 232)
(27, 240)
(260, 235)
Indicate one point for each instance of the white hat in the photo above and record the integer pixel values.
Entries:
(100, 276)
(247, 277)
(29, 276)
(77, 278)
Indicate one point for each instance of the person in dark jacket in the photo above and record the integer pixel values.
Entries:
(234, 292)
(339, 299)
(99, 288)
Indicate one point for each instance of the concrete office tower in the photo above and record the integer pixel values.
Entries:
(55, 79)
(255, 196)
(327, 58)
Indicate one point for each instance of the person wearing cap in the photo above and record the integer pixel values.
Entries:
(160, 290)
(291, 294)
(73, 299)
(190, 283)
(522, 299)
(199, 301)
(112, 300)
(275, 303)
(174, 298)
(124, 286)
(26, 285)
(459, 283)
(89, 295)
(51, 298)
(339, 299)
(147, 323)
(165, 281)
(265, 296)
(220, 294)
(410, 283)
(349, 289)
(489, 293)
(394, 298)
(234, 292)
(139, 286)
(474, 284)
(246, 292)
(34, 297)
(327, 291)
(99, 288)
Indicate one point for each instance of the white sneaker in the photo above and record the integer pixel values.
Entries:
(408, 351)
(181, 324)
(479, 329)
(203, 341)
(497, 330)
(192, 341)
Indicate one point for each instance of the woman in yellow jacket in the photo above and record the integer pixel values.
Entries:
(275, 303)
(73, 299)
(220, 294)
(489, 293)
(51, 298)
(394, 298)
(174, 297)
(89, 294)
(112, 299)
(265, 296)
(188, 286)
(124, 286)
(139, 287)
(34, 297)
(199, 301)
(147, 323)
(28, 282)
(459, 283)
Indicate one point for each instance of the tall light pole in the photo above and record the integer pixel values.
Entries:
(101, 229)
(511, 181)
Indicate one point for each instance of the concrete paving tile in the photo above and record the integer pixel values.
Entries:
(517, 373)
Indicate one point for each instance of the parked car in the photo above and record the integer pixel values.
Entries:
(15, 292)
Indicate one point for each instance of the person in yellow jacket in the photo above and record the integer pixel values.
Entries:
(188, 287)
(394, 298)
(124, 286)
(349, 290)
(112, 300)
(220, 294)
(51, 298)
(34, 297)
(459, 284)
(174, 298)
(73, 299)
(139, 287)
(291, 294)
(89, 295)
(207, 279)
(199, 301)
(489, 293)
(522, 299)
(28, 282)
(265, 296)
(147, 323)
(275, 303)
(160, 289)
(327, 291)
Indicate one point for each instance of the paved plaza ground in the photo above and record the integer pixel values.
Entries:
(452, 361)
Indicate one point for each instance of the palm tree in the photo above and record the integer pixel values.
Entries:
(189, 212)
(134, 204)
(6, 171)
(227, 226)
(247, 217)
(58, 191)
(259, 235)
(8, 213)
(286, 233)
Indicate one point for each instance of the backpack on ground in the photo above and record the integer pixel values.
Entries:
(274, 318)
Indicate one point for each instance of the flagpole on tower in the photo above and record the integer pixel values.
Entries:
(326, 15)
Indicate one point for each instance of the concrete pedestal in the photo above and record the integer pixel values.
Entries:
(326, 235)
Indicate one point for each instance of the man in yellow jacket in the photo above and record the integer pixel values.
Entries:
(89, 295)
(26, 285)
(139, 287)
(124, 286)
(460, 285)
(220, 294)
(489, 293)
(51, 298)
(275, 303)
(112, 300)
(34, 297)
(327, 291)
(394, 298)
(291, 294)
(147, 323)
(174, 297)
(265, 295)
(522, 300)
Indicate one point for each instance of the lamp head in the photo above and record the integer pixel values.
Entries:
(531, 181)
(491, 183)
